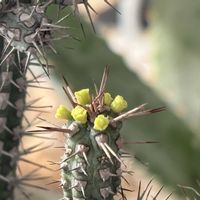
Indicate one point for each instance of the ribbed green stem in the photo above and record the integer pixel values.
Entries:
(12, 104)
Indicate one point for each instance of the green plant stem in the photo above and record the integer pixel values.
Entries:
(12, 105)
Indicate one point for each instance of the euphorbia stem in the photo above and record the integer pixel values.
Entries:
(12, 104)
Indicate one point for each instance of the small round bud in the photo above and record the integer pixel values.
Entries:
(63, 113)
(79, 114)
(83, 96)
(118, 104)
(107, 99)
(101, 123)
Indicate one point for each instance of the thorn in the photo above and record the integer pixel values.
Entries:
(38, 49)
(169, 196)
(92, 8)
(83, 170)
(55, 26)
(82, 28)
(31, 149)
(106, 152)
(11, 105)
(42, 137)
(41, 87)
(112, 152)
(33, 101)
(37, 58)
(63, 130)
(107, 2)
(148, 194)
(36, 164)
(40, 64)
(29, 174)
(83, 192)
(125, 180)
(102, 87)
(34, 186)
(69, 157)
(37, 178)
(69, 93)
(6, 47)
(20, 87)
(27, 62)
(53, 182)
(127, 114)
(155, 197)
(128, 190)
(52, 48)
(33, 121)
(27, 121)
(7, 55)
(140, 142)
(157, 110)
(89, 15)
(54, 163)
(85, 157)
(141, 196)
(35, 78)
(61, 19)
(80, 185)
(44, 120)
(37, 107)
(123, 195)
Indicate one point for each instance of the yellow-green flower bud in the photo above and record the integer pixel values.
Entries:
(63, 113)
(101, 123)
(107, 99)
(79, 114)
(118, 104)
(83, 96)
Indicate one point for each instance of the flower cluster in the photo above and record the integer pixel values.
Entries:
(83, 101)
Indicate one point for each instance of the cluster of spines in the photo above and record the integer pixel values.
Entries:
(147, 192)
(13, 89)
(91, 165)
(26, 27)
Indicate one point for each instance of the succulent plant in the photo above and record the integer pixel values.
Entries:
(26, 33)
(91, 165)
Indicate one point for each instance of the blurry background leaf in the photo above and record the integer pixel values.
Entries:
(175, 32)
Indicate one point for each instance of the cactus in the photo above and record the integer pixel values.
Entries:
(26, 34)
(12, 103)
(12, 107)
(91, 165)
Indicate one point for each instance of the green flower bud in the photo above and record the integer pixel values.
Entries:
(118, 104)
(83, 96)
(107, 99)
(101, 123)
(63, 113)
(79, 114)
